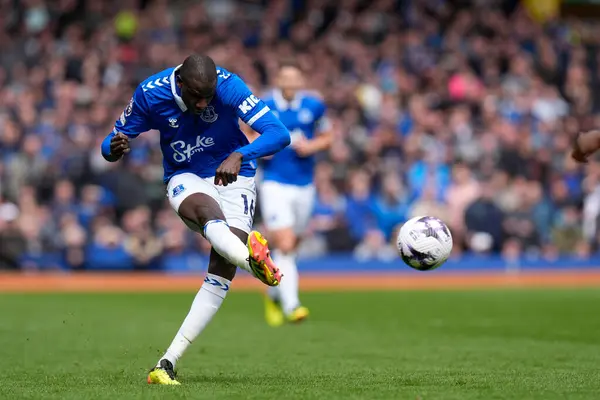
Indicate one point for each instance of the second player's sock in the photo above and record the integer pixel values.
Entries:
(205, 305)
(273, 291)
(287, 291)
(227, 244)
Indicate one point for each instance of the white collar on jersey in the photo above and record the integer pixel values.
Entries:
(283, 105)
(177, 98)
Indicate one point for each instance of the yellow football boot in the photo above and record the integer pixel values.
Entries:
(273, 313)
(298, 315)
(163, 375)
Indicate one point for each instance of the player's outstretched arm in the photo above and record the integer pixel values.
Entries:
(133, 121)
(274, 136)
(252, 135)
(584, 145)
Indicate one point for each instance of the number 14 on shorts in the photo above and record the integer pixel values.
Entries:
(246, 209)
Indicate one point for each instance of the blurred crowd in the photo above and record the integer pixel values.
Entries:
(462, 110)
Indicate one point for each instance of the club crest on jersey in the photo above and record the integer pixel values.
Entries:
(209, 115)
(177, 190)
(173, 123)
(129, 108)
(305, 116)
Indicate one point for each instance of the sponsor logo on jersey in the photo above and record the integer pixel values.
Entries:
(248, 104)
(177, 190)
(209, 115)
(122, 118)
(183, 151)
(173, 123)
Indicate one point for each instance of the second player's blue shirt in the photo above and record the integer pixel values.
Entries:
(199, 143)
(304, 116)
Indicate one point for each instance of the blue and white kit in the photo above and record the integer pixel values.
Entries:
(195, 145)
(287, 192)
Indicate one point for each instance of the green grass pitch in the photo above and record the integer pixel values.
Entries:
(509, 344)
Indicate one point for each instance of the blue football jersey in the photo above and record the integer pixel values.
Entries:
(304, 117)
(198, 143)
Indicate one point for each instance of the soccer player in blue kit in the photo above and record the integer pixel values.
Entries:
(209, 167)
(287, 193)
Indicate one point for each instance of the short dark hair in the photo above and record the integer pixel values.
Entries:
(289, 63)
(198, 68)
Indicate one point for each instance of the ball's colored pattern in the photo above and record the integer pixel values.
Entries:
(424, 243)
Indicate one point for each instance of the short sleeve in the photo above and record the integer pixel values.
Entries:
(322, 123)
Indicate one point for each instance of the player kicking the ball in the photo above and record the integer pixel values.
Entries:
(209, 168)
(287, 193)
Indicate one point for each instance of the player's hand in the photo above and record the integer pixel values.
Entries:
(302, 147)
(579, 156)
(119, 145)
(577, 153)
(229, 169)
(584, 145)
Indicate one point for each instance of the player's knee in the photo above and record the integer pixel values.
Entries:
(287, 246)
(200, 208)
(285, 240)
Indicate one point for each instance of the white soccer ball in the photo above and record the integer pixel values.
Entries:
(424, 243)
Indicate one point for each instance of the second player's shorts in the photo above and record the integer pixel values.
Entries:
(237, 199)
(286, 206)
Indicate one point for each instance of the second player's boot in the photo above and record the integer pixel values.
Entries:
(273, 312)
(298, 315)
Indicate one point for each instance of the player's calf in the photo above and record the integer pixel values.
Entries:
(286, 294)
(207, 302)
(254, 256)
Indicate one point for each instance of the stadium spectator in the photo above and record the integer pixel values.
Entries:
(12, 241)
(428, 204)
(484, 222)
(462, 191)
(360, 206)
(107, 251)
(141, 242)
(390, 205)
